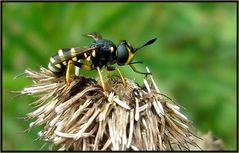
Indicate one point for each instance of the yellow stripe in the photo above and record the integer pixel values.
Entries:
(85, 62)
(53, 69)
(74, 59)
(85, 55)
(64, 63)
(52, 60)
(58, 66)
(73, 52)
(93, 53)
(61, 55)
(111, 49)
(131, 56)
(88, 58)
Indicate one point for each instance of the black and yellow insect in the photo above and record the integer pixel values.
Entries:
(101, 53)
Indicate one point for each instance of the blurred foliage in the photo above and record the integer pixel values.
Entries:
(193, 61)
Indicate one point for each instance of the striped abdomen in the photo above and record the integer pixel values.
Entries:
(58, 62)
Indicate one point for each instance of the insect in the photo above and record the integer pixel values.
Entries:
(101, 53)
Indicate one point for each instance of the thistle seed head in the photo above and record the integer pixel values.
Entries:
(82, 116)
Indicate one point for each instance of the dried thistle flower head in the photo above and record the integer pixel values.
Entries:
(84, 117)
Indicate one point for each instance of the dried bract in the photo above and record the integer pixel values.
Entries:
(84, 117)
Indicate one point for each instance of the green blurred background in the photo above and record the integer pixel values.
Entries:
(193, 61)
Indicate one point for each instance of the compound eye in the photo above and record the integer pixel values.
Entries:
(122, 54)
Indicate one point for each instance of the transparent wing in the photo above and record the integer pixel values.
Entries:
(69, 53)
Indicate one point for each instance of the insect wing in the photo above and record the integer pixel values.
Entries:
(68, 54)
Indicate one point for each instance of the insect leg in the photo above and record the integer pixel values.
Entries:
(138, 62)
(121, 76)
(101, 79)
(137, 71)
(68, 72)
(111, 68)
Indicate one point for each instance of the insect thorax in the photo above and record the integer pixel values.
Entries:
(106, 53)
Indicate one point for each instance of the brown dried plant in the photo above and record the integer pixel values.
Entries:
(84, 117)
